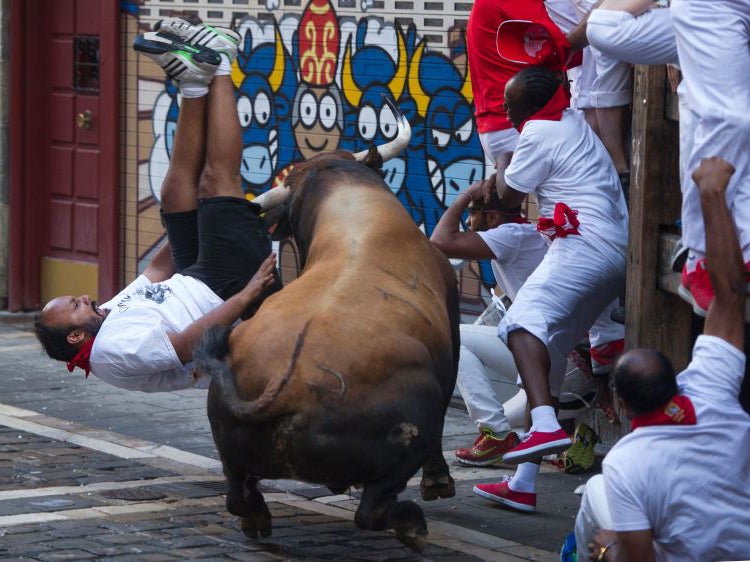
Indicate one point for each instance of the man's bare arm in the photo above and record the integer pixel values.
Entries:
(161, 267)
(447, 235)
(577, 35)
(223, 315)
(726, 314)
(634, 545)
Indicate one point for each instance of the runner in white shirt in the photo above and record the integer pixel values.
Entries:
(677, 488)
(516, 248)
(143, 339)
(560, 159)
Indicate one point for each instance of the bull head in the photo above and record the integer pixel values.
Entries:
(271, 199)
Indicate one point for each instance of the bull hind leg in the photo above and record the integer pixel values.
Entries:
(437, 481)
(246, 502)
(379, 510)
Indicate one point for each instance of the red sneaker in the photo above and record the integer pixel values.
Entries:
(696, 288)
(487, 449)
(502, 494)
(603, 357)
(537, 444)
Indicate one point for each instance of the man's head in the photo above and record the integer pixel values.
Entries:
(644, 380)
(483, 216)
(66, 323)
(528, 92)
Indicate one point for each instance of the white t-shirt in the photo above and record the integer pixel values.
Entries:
(564, 161)
(518, 249)
(132, 349)
(690, 484)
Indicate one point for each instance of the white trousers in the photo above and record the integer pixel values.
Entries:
(604, 81)
(593, 514)
(713, 42)
(562, 298)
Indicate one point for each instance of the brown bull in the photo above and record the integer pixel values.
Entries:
(342, 378)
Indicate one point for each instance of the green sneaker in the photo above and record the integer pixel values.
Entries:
(179, 60)
(220, 39)
(580, 456)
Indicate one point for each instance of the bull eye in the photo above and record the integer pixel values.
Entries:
(463, 133)
(328, 112)
(245, 110)
(388, 123)
(308, 109)
(262, 108)
(440, 138)
(368, 122)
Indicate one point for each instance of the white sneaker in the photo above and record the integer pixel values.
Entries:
(220, 39)
(180, 61)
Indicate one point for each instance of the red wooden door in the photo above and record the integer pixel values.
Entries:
(67, 197)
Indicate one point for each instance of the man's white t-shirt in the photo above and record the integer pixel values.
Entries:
(132, 349)
(564, 161)
(690, 484)
(518, 249)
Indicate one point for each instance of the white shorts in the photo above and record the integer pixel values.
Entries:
(497, 143)
(646, 39)
(560, 300)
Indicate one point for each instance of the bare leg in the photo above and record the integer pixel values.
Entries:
(590, 115)
(221, 173)
(611, 121)
(179, 190)
(533, 364)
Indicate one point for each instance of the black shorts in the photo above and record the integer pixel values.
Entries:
(222, 243)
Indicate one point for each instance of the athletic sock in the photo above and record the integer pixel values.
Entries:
(193, 89)
(524, 480)
(225, 67)
(543, 419)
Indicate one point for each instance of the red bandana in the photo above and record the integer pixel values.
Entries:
(678, 411)
(82, 358)
(553, 109)
(563, 223)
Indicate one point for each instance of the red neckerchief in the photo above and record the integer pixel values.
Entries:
(678, 411)
(81, 358)
(552, 110)
(563, 223)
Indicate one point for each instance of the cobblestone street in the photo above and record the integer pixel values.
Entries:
(89, 472)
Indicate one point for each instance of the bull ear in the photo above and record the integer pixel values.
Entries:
(373, 160)
(277, 221)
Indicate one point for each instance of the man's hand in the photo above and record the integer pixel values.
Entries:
(481, 189)
(262, 279)
(602, 539)
(713, 175)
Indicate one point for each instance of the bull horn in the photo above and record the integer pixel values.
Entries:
(272, 197)
(466, 90)
(415, 88)
(396, 85)
(352, 93)
(276, 77)
(391, 149)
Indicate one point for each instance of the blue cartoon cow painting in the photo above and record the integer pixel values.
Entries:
(369, 77)
(268, 82)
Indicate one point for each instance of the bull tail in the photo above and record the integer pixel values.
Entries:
(208, 357)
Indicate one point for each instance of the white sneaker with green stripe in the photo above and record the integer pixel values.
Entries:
(220, 39)
(180, 60)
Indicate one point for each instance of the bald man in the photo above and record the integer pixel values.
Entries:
(678, 486)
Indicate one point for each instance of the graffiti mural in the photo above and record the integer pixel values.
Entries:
(316, 81)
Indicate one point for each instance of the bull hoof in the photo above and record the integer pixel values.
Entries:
(413, 540)
(254, 526)
(431, 490)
